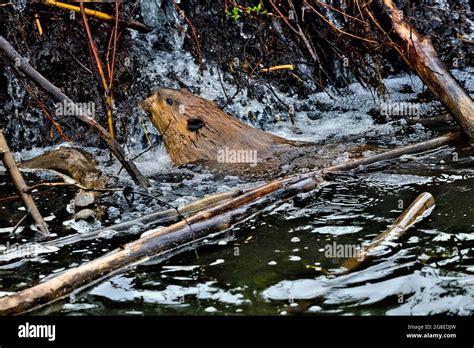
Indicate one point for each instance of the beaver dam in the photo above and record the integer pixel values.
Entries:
(239, 158)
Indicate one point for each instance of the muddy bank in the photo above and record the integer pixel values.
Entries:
(229, 49)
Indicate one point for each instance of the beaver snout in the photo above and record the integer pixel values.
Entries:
(153, 95)
(146, 104)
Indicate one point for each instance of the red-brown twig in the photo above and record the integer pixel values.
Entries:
(105, 85)
(44, 109)
(117, 15)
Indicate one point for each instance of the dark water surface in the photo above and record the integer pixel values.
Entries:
(276, 263)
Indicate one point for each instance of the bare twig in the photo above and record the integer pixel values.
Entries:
(98, 63)
(21, 186)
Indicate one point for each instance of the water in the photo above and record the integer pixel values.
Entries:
(274, 264)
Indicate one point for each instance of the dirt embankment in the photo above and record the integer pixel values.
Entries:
(235, 48)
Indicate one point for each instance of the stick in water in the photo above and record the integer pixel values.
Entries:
(414, 213)
(21, 186)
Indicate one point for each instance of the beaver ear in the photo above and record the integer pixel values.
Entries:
(195, 124)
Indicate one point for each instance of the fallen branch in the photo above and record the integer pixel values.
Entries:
(200, 225)
(420, 207)
(21, 186)
(153, 219)
(419, 54)
(138, 225)
(22, 65)
(100, 15)
(398, 152)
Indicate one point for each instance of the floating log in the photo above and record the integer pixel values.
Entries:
(418, 52)
(21, 186)
(418, 210)
(199, 225)
(22, 65)
(148, 220)
(398, 152)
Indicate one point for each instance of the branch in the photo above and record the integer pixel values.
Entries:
(419, 208)
(21, 186)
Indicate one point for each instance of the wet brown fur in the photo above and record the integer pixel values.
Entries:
(222, 131)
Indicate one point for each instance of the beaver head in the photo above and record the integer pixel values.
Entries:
(195, 129)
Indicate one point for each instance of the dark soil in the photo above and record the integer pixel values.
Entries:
(243, 46)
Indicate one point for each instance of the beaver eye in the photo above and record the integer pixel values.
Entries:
(194, 124)
(169, 101)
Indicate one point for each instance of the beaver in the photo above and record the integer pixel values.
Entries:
(196, 130)
(75, 163)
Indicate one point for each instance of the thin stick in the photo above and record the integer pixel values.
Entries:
(45, 111)
(398, 152)
(21, 186)
(115, 31)
(18, 224)
(98, 63)
(278, 67)
(160, 217)
(194, 35)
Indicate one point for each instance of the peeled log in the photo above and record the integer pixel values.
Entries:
(418, 52)
(420, 207)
